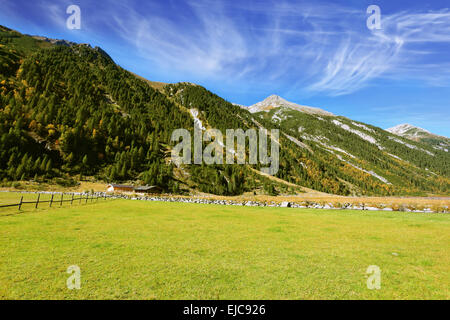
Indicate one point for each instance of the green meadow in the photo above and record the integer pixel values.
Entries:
(149, 250)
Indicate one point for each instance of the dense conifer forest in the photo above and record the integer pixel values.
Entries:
(68, 112)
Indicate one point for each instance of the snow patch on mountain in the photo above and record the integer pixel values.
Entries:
(297, 142)
(373, 174)
(396, 157)
(320, 140)
(411, 146)
(441, 147)
(426, 169)
(197, 122)
(363, 126)
(362, 135)
(278, 116)
(272, 137)
(317, 139)
(342, 151)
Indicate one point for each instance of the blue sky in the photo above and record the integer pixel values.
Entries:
(316, 53)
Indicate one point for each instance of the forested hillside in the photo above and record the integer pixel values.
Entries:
(365, 156)
(68, 112)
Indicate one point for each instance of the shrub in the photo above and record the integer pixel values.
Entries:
(66, 182)
(17, 185)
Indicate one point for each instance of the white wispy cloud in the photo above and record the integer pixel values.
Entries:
(313, 47)
(55, 13)
(211, 44)
(396, 51)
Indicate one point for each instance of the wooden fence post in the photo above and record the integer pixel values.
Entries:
(87, 198)
(81, 198)
(20, 204)
(62, 196)
(71, 202)
(51, 200)
(37, 202)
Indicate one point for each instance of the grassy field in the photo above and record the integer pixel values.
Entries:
(149, 250)
(13, 197)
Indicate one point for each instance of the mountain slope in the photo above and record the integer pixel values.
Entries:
(421, 135)
(329, 153)
(69, 110)
(364, 156)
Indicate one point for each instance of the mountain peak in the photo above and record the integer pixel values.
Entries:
(274, 101)
(274, 97)
(408, 129)
(414, 133)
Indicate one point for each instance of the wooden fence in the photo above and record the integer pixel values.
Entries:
(55, 200)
